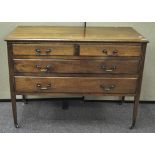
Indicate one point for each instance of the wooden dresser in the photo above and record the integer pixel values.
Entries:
(99, 61)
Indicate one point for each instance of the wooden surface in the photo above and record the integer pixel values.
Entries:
(56, 49)
(76, 84)
(85, 49)
(115, 49)
(43, 33)
(68, 60)
(76, 66)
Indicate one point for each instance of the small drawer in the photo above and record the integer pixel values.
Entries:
(50, 49)
(110, 50)
(76, 66)
(75, 85)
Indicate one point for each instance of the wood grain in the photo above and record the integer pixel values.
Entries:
(110, 50)
(98, 61)
(55, 49)
(107, 34)
(75, 84)
(47, 66)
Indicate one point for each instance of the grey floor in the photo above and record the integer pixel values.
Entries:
(91, 117)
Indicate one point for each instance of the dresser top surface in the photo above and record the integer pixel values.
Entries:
(49, 33)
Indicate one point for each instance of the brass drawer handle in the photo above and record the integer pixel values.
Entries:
(48, 51)
(105, 51)
(38, 52)
(113, 68)
(43, 88)
(46, 69)
(115, 52)
(107, 88)
(109, 53)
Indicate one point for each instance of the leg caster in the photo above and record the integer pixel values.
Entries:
(16, 125)
(132, 126)
(65, 105)
(122, 100)
(24, 99)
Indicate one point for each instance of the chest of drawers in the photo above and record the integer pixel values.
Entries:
(76, 61)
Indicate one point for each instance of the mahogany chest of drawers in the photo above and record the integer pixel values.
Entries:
(46, 60)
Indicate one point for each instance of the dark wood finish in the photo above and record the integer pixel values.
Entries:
(92, 34)
(76, 66)
(55, 61)
(76, 85)
(43, 49)
(12, 85)
(24, 99)
(110, 50)
(60, 49)
(138, 90)
(75, 57)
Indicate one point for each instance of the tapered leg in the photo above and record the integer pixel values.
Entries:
(65, 105)
(122, 100)
(24, 99)
(14, 109)
(135, 111)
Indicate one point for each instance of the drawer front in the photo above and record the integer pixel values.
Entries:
(75, 85)
(76, 66)
(43, 49)
(110, 50)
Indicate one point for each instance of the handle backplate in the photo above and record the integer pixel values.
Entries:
(43, 69)
(38, 52)
(41, 87)
(106, 69)
(114, 52)
(107, 87)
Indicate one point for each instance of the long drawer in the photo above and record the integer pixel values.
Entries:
(75, 85)
(76, 66)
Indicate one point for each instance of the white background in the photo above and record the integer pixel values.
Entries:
(79, 11)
